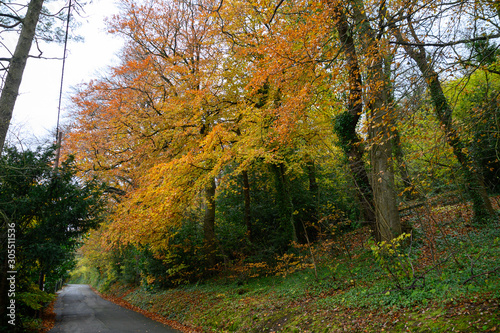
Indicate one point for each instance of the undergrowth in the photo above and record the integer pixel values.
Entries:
(446, 279)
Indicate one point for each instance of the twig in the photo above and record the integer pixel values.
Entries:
(478, 275)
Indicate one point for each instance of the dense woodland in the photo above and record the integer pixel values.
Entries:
(239, 139)
(234, 129)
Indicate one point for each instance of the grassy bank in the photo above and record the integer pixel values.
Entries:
(448, 281)
(264, 307)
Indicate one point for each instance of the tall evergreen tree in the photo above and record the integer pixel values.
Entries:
(43, 214)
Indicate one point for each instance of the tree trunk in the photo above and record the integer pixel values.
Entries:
(285, 204)
(311, 174)
(288, 201)
(209, 223)
(310, 226)
(346, 124)
(474, 182)
(16, 67)
(41, 280)
(387, 215)
(246, 214)
(379, 116)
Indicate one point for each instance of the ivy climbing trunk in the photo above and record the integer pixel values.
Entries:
(345, 124)
(17, 63)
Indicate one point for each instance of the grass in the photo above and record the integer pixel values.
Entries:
(290, 305)
(449, 281)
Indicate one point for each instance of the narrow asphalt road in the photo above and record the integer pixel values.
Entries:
(79, 309)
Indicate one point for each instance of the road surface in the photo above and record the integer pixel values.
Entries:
(79, 309)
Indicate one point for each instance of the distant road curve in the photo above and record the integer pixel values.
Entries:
(79, 309)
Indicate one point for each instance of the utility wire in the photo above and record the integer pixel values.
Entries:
(62, 71)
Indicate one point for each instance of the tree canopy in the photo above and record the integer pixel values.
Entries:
(236, 118)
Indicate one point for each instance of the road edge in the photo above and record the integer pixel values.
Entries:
(151, 315)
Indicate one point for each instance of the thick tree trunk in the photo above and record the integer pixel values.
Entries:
(387, 214)
(474, 182)
(379, 116)
(17, 64)
(209, 224)
(346, 130)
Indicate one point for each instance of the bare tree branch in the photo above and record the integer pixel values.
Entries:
(275, 11)
(452, 43)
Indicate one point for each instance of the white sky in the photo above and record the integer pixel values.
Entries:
(35, 113)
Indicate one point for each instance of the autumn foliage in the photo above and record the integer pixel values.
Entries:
(233, 129)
